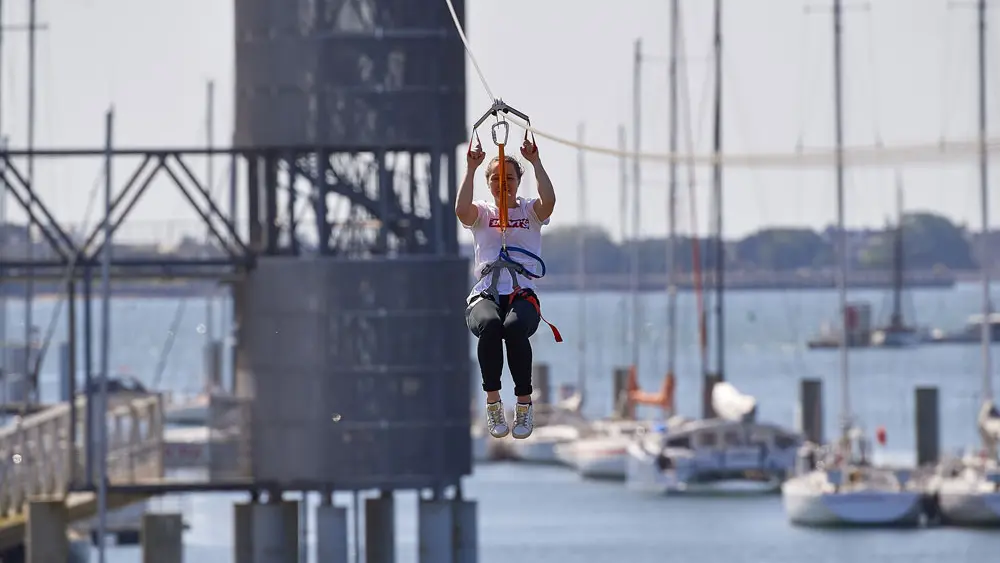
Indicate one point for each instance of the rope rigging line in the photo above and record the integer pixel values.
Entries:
(878, 155)
(683, 78)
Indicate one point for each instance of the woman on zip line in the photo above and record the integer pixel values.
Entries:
(502, 309)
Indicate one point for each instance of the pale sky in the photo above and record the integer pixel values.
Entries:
(909, 78)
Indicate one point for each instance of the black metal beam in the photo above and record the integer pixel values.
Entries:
(365, 200)
(29, 202)
(167, 486)
(99, 228)
(126, 268)
(202, 151)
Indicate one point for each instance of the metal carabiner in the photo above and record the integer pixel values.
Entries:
(506, 132)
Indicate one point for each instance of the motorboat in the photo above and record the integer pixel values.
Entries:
(712, 456)
(728, 454)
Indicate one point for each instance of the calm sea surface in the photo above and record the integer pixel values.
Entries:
(549, 515)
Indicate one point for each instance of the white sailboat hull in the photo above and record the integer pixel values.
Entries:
(805, 505)
(540, 447)
(968, 500)
(970, 509)
(535, 451)
(596, 458)
(607, 466)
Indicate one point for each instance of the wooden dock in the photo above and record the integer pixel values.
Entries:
(37, 462)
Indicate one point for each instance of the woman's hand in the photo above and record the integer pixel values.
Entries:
(529, 151)
(475, 156)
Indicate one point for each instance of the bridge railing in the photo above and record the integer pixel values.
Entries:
(35, 450)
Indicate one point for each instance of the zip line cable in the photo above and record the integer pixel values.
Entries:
(879, 155)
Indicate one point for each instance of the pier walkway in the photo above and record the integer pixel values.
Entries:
(37, 462)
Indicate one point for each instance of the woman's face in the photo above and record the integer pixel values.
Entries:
(513, 179)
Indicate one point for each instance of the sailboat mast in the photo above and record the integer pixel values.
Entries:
(210, 184)
(838, 103)
(581, 267)
(636, 200)
(672, 198)
(896, 321)
(986, 335)
(623, 193)
(720, 247)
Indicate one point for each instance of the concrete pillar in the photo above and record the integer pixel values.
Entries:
(434, 531)
(380, 529)
(708, 385)
(162, 538)
(811, 409)
(541, 383)
(45, 537)
(275, 531)
(619, 387)
(290, 518)
(64, 374)
(331, 534)
(465, 530)
(243, 532)
(928, 426)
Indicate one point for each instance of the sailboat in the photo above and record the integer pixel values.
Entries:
(968, 490)
(837, 485)
(897, 334)
(726, 451)
(857, 332)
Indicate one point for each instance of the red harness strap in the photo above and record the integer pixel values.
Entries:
(530, 298)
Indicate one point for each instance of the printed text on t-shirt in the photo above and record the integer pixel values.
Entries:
(511, 223)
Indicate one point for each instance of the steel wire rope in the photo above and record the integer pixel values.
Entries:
(852, 156)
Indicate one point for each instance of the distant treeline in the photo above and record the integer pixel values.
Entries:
(929, 241)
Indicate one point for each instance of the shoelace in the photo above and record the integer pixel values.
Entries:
(521, 417)
(496, 416)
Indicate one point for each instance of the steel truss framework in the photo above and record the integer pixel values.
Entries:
(331, 201)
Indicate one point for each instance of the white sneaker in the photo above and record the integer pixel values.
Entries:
(524, 421)
(496, 422)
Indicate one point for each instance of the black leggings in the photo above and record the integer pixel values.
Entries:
(513, 323)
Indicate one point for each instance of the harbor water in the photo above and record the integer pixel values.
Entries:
(549, 514)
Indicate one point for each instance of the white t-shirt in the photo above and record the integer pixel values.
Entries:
(524, 230)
